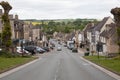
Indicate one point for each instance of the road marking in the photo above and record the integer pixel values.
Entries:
(57, 70)
(56, 74)
(55, 77)
(85, 64)
(16, 69)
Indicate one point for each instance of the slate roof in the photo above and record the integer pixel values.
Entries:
(70, 36)
(91, 29)
(110, 32)
(101, 24)
(60, 35)
(18, 21)
(88, 26)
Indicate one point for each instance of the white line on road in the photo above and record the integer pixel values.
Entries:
(16, 69)
(56, 73)
(85, 64)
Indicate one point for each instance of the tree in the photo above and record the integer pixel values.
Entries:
(66, 30)
(6, 33)
(116, 13)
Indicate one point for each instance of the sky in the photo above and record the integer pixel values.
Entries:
(62, 9)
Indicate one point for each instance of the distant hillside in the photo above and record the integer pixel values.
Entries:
(35, 21)
(61, 25)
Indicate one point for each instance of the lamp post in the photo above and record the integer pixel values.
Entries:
(21, 44)
(98, 49)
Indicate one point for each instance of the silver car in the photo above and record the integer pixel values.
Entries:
(59, 48)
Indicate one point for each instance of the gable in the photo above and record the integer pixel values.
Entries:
(109, 21)
(102, 25)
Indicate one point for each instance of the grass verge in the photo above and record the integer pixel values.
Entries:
(10, 63)
(110, 64)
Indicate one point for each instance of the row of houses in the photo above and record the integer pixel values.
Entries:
(100, 37)
(22, 30)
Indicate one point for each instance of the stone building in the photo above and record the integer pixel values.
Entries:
(101, 37)
(36, 33)
(109, 38)
(17, 28)
(86, 36)
(22, 30)
(28, 33)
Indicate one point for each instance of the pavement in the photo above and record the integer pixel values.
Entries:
(58, 65)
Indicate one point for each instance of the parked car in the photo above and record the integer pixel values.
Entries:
(0, 49)
(87, 52)
(51, 47)
(52, 44)
(31, 49)
(59, 48)
(65, 45)
(75, 50)
(46, 49)
(20, 50)
(40, 50)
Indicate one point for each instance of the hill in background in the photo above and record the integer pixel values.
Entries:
(61, 25)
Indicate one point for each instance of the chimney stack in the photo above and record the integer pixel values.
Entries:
(10, 16)
(16, 16)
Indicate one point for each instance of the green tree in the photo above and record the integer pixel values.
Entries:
(116, 13)
(6, 33)
(67, 30)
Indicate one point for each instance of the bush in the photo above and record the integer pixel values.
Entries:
(86, 54)
(87, 49)
(8, 54)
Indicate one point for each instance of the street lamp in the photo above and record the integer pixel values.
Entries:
(99, 47)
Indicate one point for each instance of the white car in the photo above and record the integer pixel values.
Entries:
(59, 48)
(19, 50)
(0, 49)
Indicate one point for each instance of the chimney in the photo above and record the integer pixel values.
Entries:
(10, 16)
(16, 16)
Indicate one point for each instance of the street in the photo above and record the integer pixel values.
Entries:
(59, 65)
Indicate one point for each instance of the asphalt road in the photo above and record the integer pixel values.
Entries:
(59, 65)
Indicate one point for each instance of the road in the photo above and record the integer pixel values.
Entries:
(59, 65)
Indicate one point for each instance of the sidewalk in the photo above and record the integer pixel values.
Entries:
(82, 50)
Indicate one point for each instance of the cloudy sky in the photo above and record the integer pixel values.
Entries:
(62, 9)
